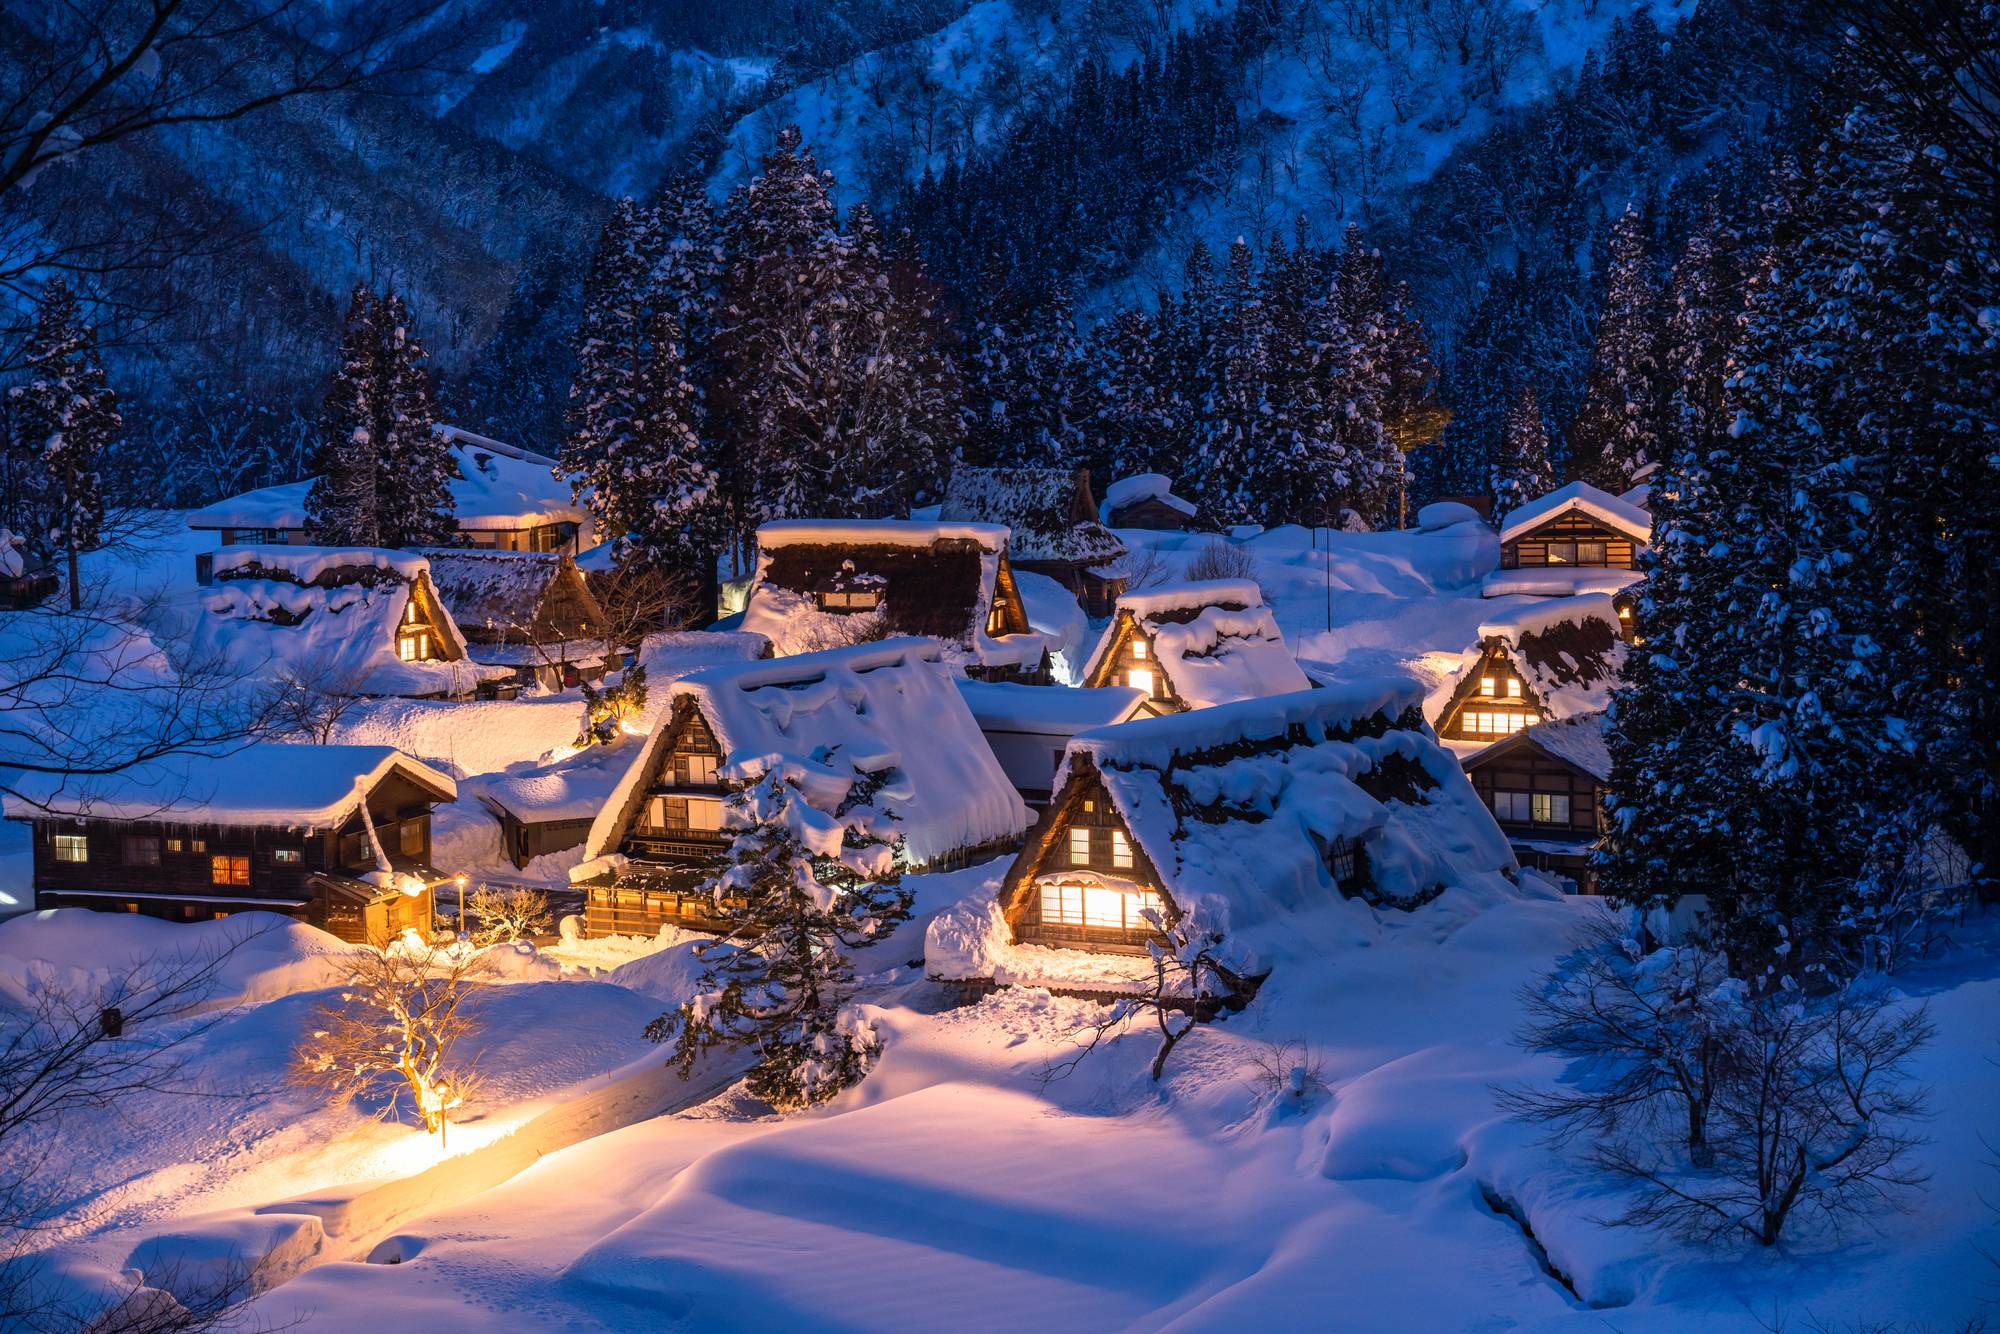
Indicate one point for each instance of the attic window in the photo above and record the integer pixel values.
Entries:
(1489, 686)
(850, 599)
(1494, 722)
(1121, 849)
(1079, 847)
(1138, 649)
(1513, 687)
(414, 647)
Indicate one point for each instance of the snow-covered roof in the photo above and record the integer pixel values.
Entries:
(1618, 515)
(936, 579)
(1128, 491)
(1214, 640)
(887, 705)
(1444, 513)
(267, 783)
(1558, 581)
(1578, 739)
(329, 615)
(1235, 808)
(1048, 710)
(1046, 510)
(575, 787)
(1567, 650)
(877, 532)
(504, 590)
(498, 488)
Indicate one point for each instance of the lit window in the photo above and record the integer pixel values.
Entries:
(1493, 722)
(197, 845)
(1100, 906)
(228, 870)
(175, 845)
(414, 648)
(1138, 649)
(701, 770)
(1513, 687)
(1089, 805)
(1140, 679)
(142, 851)
(72, 848)
(1562, 553)
(287, 856)
(1121, 850)
(1079, 847)
(1551, 808)
(704, 813)
(1489, 686)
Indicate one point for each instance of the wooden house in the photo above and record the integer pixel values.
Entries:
(1030, 727)
(1545, 787)
(503, 497)
(889, 708)
(346, 620)
(338, 837)
(1147, 500)
(530, 612)
(1576, 539)
(1539, 661)
(1052, 525)
(1245, 816)
(824, 584)
(1193, 646)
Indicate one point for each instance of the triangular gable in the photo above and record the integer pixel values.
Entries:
(1046, 848)
(1492, 654)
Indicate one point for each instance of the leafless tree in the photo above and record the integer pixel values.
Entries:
(1651, 1038)
(1145, 567)
(70, 1047)
(1293, 1074)
(508, 915)
(310, 700)
(392, 1033)
(1221, 559)
(1191, 985)
(638, 602)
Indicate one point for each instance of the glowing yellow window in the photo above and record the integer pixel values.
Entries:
(1138, 650)
(1101, 906)
(414, 648)
(1489, 686)
(1121, 851)
(1079, 847)
(1513, 687)
(1140, 679)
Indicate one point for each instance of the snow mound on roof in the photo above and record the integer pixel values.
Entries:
(1615, 514)
(1578, 739)
(571, 787)
(262, 956)
(494, 590)
(1214, 640)
(1042, 508)
(309, 565)
(268, 783)
(1534, 618)
(1054, 614)
(1142, 486)
(1567, 651)
(1190, 595)
(892, 705)
(886, 532)
(1236, 806)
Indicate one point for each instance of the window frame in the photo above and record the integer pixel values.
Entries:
(70, 849)
(228, 869)
(136, 843)
(1080, 845)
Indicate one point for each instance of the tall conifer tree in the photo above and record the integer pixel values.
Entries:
(65, 416)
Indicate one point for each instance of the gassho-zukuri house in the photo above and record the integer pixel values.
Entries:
(503, 497)
(1576, 539)
(344, 620)
(1195, 645)
(890, 708)
(1532, 663)
(338, 837)
(531, 612)
(829, 583)
(1248, 814)
(1052, 525)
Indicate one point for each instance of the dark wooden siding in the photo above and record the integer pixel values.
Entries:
(1532, 547)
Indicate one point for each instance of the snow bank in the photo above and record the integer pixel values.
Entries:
(1445, 513)
(1557, 581)
(268, 955)
(1537, 618)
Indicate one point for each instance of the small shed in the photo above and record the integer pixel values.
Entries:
(1545, 787)
(1576, 539)
(1147, 500)
(547, 808)
(1052, 523)
(832, 583)
(1533, 663)
(1195, 645)
(1029, 727)
(1242, 814)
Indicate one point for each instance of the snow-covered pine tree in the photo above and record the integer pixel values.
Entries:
(1617, 428)
(1704, 297)
(414, 463)
(1128, 430)
(1522, 472)
(802, 887)
(1390, 340)
(342, 507)
(64, 418)
(1241, 477)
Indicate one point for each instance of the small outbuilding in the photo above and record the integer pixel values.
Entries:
(338, 837)
(889, 710)
(530, 612)
(1147, 500)
(1534, 663)
(831, 583)
(1195, 645)
(1030, 727)
(1545, 787)
(1052, 524)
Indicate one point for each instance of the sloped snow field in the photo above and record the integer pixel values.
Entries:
(968, 1183)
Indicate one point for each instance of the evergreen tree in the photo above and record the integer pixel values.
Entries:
(1617, 429)
(802, 888)
(1704, 296)
(1522, 472)
(385, 472)
(65, 416)
(519, 385)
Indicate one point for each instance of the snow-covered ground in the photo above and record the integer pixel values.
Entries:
(588, 1188)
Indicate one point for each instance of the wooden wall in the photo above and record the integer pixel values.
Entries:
(1532, 547)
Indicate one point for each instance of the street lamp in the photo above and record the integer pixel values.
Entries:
(460, 880)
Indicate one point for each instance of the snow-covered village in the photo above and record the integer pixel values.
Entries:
(999, 665)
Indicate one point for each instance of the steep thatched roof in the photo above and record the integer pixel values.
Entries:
(1049, 512)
